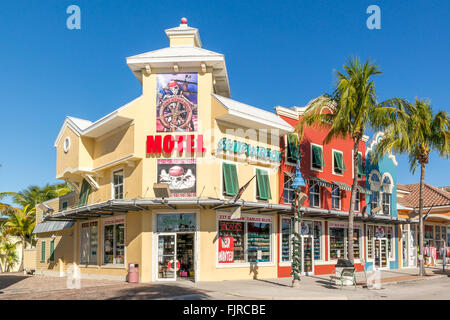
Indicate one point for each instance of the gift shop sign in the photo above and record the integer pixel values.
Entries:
(251, 152)
(226, 249)
(248, 219)
(168, 143)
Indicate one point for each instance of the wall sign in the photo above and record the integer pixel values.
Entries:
(246, 218)
(180, 175)
(176, 102)
(158, 144)
(226, 250)
(241, 148)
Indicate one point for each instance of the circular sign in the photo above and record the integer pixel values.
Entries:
(169, 265)
(379, 232)
(175, 113)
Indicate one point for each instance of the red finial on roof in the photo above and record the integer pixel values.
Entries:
(183, 20)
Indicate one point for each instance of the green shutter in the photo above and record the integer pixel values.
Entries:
(262, 181)
(318, 155)
(360, 165)
(42, 251)
(52, 250)
(339, 161)
(293, 147)
(230, 179)
(85, 188)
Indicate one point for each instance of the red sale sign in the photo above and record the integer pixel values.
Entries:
(226, 249)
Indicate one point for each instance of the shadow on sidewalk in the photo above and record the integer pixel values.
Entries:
(156, 291)
(7, 280)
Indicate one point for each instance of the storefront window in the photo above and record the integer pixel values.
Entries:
(286, 231)
(114, 241)
(236, 231)
(448, 236)
(317, 240)
(390, 240)
(370, 242)
(89, 237)
(428, 232)
(251, 239)
(337, 237)
(175, 222)
(258, 242)
(374, 199)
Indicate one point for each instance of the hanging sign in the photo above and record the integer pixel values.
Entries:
(226, 249)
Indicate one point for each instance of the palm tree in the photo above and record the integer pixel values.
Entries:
(35, 194)
(8, 256)
(415, 130)
(20, 223)
(353, 101)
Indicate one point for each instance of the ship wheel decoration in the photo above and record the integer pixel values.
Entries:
(175, 113)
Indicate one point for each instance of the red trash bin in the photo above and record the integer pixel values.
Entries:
(133, 273)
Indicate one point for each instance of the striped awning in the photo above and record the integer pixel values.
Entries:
(291, 175)
(363, 190)
(320, 181)
(342, 186)
(50, 226)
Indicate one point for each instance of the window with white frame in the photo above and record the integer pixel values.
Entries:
(338, 163)
(357, 200)
(88, 245)
(314, 191)
(114, 241)
(118, 184)
(335, 198)
(386, 203)
(317, 160)
(288, 192)
(374, 199)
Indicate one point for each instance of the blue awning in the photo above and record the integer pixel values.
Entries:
(50, 226)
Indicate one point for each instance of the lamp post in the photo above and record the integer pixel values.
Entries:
(297, 250)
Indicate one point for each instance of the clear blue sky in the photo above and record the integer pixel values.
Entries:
(277, 53)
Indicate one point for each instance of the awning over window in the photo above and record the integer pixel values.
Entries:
(320, 181)
(342, 186)
(339, 160)
(363, 190)
(262, 180)
(230, 178)
(293, 147)
(318, 156)
(360, 165)
(50, 226)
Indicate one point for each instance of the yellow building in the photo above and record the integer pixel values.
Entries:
(157, 181)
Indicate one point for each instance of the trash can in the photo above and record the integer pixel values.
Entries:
(133, 273)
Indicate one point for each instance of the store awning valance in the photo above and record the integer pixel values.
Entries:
(320, 181)
(50, 226)
(342, 186)
(363, 190)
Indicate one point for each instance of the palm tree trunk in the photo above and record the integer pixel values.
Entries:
(350, 252)
(23, 254)
(421, 227)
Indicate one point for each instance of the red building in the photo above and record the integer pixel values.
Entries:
(327, 170)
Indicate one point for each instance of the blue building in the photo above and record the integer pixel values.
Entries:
(381, 228)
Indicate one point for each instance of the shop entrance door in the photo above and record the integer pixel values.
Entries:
(412, 248)
(166, 256)
(380, 253)
(308, 255)
(176, 256)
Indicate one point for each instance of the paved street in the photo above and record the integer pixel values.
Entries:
(434, 286)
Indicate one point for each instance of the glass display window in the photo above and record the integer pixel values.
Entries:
(370, 234)
(337, 248)
(286, 245)
(88, 245)
(176, 222)
(236, 230)
(258, 242)
(317, 240)
(114, 241)
(428, 232)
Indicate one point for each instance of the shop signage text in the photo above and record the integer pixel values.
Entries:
(242, 148)
(159, 144)
(252, 219)
(226, 250)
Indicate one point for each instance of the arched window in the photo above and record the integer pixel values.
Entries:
(386, 180)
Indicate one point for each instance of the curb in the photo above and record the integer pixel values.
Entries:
(410, 280)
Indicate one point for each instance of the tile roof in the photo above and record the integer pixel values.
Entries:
(432, 196)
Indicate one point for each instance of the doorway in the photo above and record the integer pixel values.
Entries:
(176, 256)
(380, 245)
(308, 258)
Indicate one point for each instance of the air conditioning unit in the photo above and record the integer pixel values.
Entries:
(161, 190)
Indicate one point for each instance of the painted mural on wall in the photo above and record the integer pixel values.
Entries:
(180, 175)
(176, 102)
